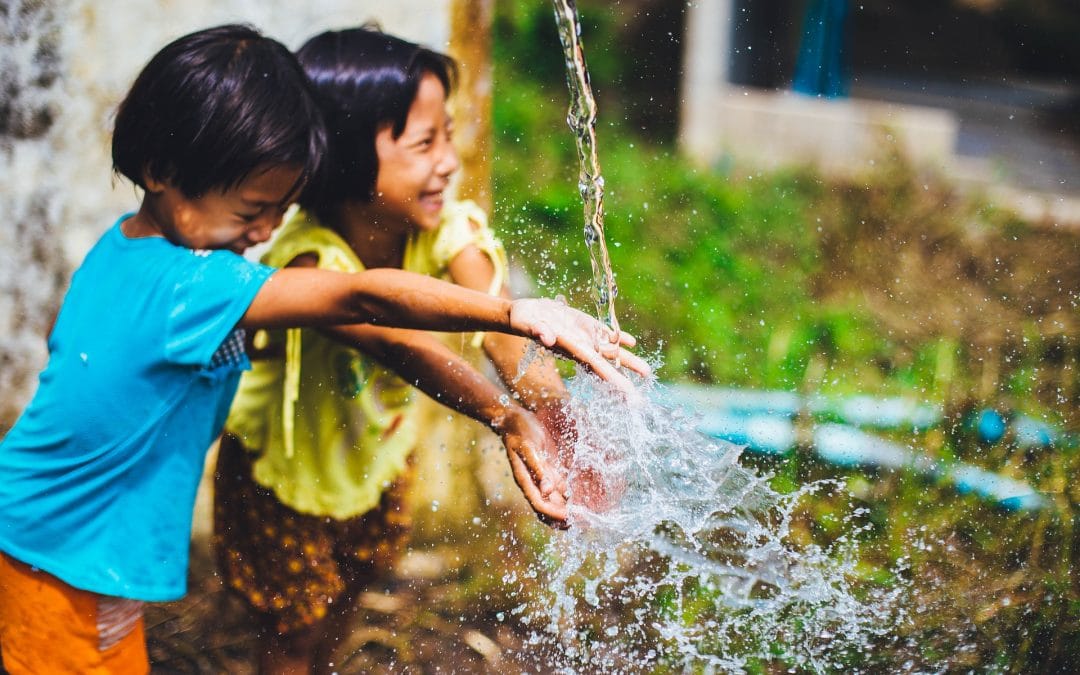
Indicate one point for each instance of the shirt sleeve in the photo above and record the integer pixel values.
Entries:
(465, 224)
(211, 295)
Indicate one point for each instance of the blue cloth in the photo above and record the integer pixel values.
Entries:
(820, 70)
(98, 476)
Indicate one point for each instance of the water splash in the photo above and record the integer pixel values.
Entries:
(680, 557)
(582, 120)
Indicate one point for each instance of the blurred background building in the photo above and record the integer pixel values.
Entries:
(984, 90)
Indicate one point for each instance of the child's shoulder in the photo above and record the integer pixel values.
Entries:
(464, 215)
(116, 253)
(302, 234)
(462, 223)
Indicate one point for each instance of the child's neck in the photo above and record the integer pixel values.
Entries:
(378, 240)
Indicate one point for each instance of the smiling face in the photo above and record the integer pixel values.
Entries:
(233, 219)
(415, 167)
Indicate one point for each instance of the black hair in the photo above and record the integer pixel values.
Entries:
(212, 107)
(364, 79)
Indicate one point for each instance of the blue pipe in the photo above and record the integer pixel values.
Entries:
(764, 422)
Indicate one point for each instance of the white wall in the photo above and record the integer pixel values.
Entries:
(769, 129)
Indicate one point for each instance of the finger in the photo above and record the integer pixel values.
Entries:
(549, 465)
(625, 339)
(561, 486)
(634, 363)
(545, 335)
(552, 511)
(600, 366)
(537, 468)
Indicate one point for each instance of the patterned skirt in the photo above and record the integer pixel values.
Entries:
(290, 567)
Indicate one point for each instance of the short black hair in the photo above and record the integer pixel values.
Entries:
(212, 107)
(364, 79)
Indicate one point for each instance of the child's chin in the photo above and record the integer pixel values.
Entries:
(429, 223)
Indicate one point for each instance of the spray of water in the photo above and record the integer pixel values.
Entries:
(582, 121)
(679, 557)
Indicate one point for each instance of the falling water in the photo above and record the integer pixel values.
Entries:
(582, 120)
(684, 558)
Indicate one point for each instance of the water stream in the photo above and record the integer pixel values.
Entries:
(582, 121)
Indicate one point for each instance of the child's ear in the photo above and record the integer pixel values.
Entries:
(152, 184)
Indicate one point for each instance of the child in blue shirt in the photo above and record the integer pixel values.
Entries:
(98, 476)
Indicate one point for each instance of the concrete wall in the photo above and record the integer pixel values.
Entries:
(767, 128)
(722, 123)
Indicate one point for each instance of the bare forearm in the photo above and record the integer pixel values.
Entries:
(540, 384)
(433, 368)
(313, 297)
(421, 302)
(385, 297)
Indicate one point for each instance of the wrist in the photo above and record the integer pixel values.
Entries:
(546, 399)
(504, 415)
(508, 309)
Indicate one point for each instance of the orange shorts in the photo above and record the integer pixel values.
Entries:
(47, 626)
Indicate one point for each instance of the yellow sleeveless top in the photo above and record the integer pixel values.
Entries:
(332, 427)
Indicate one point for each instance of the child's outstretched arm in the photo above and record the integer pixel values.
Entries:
(314, 297)
(539, 387)
(436, 370)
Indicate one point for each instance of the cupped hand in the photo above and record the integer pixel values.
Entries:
(528, 447)
(576, 335)
(589, 487)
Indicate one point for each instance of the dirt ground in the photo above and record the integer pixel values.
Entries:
(404, 625)
(438, 611)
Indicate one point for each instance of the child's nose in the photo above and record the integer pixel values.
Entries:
(264, 227)
(449, 163)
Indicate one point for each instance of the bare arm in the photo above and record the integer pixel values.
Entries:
(425, 362)
(314, 297)
(433, 368)
(540, 386)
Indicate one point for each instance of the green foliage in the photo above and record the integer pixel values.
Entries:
(719, 270)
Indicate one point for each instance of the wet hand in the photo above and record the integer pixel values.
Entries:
(580, 337)
(528, 445)
(589, 486)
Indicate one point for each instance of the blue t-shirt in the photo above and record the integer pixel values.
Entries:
(98, 476)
